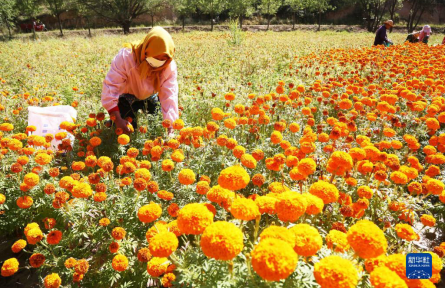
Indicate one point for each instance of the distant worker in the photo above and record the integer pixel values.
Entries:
(381, 38)
(425, 34)
(413, 37)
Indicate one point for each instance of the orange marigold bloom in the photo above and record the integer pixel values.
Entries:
(24, 202)
(82, 266)
(314, 204)
(149, 213)
(334, 271)
(382, 277)
(274, 259)
(367, 240)
(325, 191)
(82, 190)
(194, 218)
(144, 255)
(234, 178)
(186, 177)
(10, 267)
(337, 241)
(163, 244)
(276, 137)
(167, 165)
(339, 163)
(406, 232)
(18, 246)
(307, 166)
(290, 206)
(36, 260)
(428, 220)
(222, 241)
(157, 266)
(119, 263)
(258, 180)
(435, 186)
(54, 237)
(398, 178)
(307, 239)
(52, 281)
(244, 209)
(202, 187)
(118, 233)
(31, 179)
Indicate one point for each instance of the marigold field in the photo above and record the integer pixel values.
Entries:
(300, 159)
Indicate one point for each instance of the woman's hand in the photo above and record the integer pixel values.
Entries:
(119, 122)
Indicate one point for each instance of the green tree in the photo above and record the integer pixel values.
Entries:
(87, 14)
(7, 14)
(269, 8)
(30, 9)
(213, 8)
(240, 9)
(121, 12)
(319, 7)
(57, 7)
(393, 6)
(373, 12)
(296, 6)
(184, 8)
(154, 7)
(418, 8)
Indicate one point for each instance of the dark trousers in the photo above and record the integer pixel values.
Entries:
(129, 105)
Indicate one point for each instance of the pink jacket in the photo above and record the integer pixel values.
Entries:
(123, 77)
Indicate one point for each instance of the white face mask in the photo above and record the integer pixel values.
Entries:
(155, 63)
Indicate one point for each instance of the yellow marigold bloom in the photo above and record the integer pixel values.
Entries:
(428, 220)
(119, 263)
(220, 195)
(307, 240)
(186, 177)
(118, 233)
(307, 166)
(339, 163)
(82, 190)
(382, 277)
(290, 206)
(234, 178)
(104, 222)
(143, 173)
(277, 187)
(274, 259)
(202, 187)
(31, 179)
(278, 232)
(217, 114)
(10, 267)
(367, 240)
(52, 281)
(149, 213)
(248, 161)
(396, 263)
(167, 279)
(244, 209)
(123, 139)
(18, 246)
(163, 244)
(334, 272)
(325, 191)
(435, 186)
(406, 232)
(157, 266)
(337, 241)
(167, 165)
(314, 204)
(398, 178)
(230, 123)
(365, 192)
(266, 204)
(276, 137)
(222, 241)
(158, 227)
(194, 218)
(42, 158)
(34, 235)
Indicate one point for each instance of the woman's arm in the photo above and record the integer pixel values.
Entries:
(168, 94)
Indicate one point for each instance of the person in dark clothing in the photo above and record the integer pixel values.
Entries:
(413, 37)
(381, 38)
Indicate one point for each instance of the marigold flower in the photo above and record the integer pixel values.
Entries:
(157, 266)
(167, 279)
(233, 178)
(104, 222)
(428, 220)
(123, 139)
(163, 244)
(10, 267)
(119, 263)
(144, 255)
(334, 271)
(278, 232)
(406, 232)
(52, 281)
(314, 204)
(274, 259)
(290, 206)
(54, 237)
(36, 260)
(367, 240)
(435, 186)
(186, 177)
(82, 190)
(244, 209)
(24, 202)
(31, 179)
(325, 191)
(82, 266)
(222, 241)
(118, 233)
(307, 166)
(307, 239)
(337, 241)
(194, 218)
(18, 246)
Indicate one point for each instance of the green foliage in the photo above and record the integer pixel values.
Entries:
(8, 12)
(236, 34)
(240, 9)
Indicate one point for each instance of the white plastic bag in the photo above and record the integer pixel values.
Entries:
(48, 119)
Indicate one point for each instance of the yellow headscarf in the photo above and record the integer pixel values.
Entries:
(158, 41)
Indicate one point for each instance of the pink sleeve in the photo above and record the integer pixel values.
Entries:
(114, 83)
(168, 94)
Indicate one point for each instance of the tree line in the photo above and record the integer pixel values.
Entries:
(123, 12)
